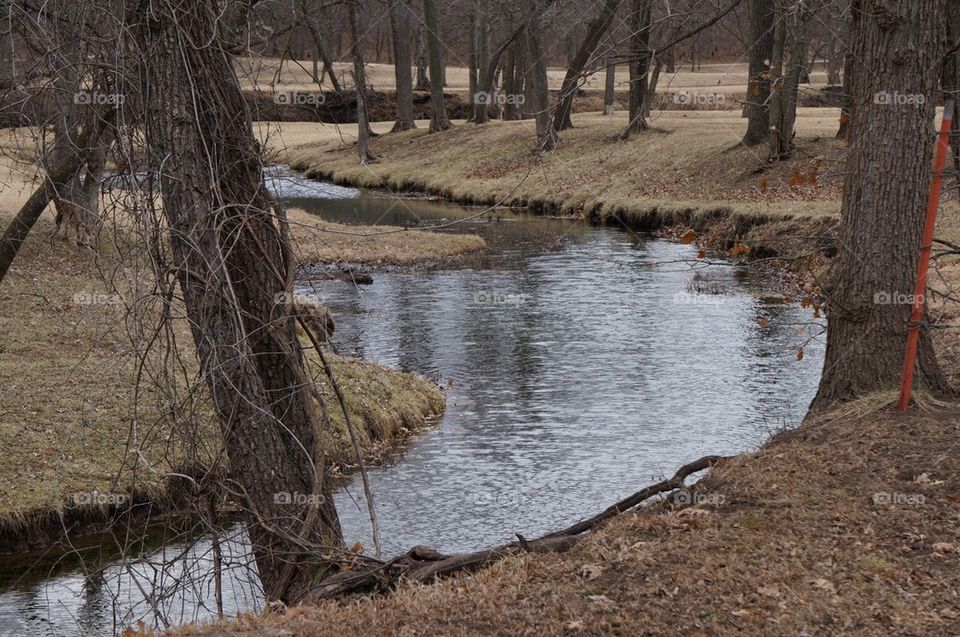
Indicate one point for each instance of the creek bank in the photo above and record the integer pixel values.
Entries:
(793, 249)
(845, 525)
(69, 371)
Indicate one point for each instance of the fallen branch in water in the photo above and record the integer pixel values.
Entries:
(423, 564)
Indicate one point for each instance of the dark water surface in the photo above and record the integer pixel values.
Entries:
(580, 364)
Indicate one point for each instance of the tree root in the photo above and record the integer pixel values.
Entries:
(423, 564)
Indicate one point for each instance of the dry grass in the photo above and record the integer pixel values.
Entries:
(729, 79)
(687, 170)
(69, 368)
(799, 545)
(320, 241)
(688, 161)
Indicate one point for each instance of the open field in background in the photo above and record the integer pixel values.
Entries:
(68, 365)
(720, 78)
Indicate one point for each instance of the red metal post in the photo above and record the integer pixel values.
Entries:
(919, 293)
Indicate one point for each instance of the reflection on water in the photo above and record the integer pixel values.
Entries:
(580, 364)
(575, 378)
(106, 583)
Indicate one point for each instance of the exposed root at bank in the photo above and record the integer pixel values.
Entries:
(423, 564)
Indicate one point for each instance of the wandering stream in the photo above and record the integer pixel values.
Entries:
(579, 364)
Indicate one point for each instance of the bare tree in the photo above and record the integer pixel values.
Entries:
(610, 85)
(788, 58)
(311, 21)
(439, 121)
(596, 29)
(423, 81)
(538, 94)
(640, 23)
(846, 97)
(360, 83)
(232, 260)
(400, 28)
(758, 89)
(483, 59)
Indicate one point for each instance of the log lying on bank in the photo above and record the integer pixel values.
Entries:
(425, 565)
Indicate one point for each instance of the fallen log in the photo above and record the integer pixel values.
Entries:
(425, 565)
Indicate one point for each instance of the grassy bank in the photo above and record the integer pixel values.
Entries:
(319, 241)
(847, 525)
(78, 413)
(688, 161)
(688, 171)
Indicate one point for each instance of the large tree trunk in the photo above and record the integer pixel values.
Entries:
(596, 29)
(884, 202)
(758, 88)
(951, 77)
(640, 24)
(538, 92)
(231, 258)
(834, 59)
(400, 26)
(513, 84)
(439, 121)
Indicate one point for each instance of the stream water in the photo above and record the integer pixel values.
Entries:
(579, 363)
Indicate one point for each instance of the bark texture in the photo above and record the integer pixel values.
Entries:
(640, 24)
(360, 81)
(758, 88)
(538, 93)
(884, 201)
(596, 29)
(400, 27)
(233, 263)
(788, 59)
(439, 121)
(482, 115)
(609, 86)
